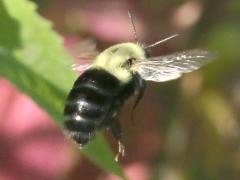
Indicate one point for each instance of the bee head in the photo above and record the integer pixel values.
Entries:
(118, 59)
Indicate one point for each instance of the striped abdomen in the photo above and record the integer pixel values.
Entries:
(89, 104)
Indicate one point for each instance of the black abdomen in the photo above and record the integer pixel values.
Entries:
(89, 103)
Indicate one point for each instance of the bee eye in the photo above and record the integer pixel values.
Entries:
(128, 63)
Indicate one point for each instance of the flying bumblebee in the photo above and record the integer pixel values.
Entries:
(116, 74)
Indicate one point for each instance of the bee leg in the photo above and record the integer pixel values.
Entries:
(140, 88)
(117, 133)
(121, 151)
(116, 129)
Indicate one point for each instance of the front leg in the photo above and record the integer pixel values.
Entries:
(135, 87)
(140, 86)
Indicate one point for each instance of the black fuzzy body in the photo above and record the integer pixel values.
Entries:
(94, 102)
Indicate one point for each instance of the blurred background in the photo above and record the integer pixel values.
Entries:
(185, 129)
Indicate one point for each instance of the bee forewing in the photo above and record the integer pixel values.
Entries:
(81, 67)
(169, 67)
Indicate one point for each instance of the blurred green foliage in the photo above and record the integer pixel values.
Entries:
(33, 58)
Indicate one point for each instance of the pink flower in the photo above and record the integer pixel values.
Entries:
(31, 144)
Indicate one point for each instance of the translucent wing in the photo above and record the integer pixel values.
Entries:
(82, 66)
(84, 51)
(169, 67)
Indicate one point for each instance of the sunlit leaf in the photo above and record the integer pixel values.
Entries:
(33, 58)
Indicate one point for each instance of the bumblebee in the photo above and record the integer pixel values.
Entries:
(116, 74)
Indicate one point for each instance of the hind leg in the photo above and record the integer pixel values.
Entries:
(117, 133)
(116, 129)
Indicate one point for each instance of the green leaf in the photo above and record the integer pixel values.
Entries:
(33, 58)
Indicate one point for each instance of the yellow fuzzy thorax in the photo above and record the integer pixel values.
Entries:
(115, 56)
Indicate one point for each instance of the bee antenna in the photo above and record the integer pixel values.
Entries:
(161, 41)
(133, 27)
